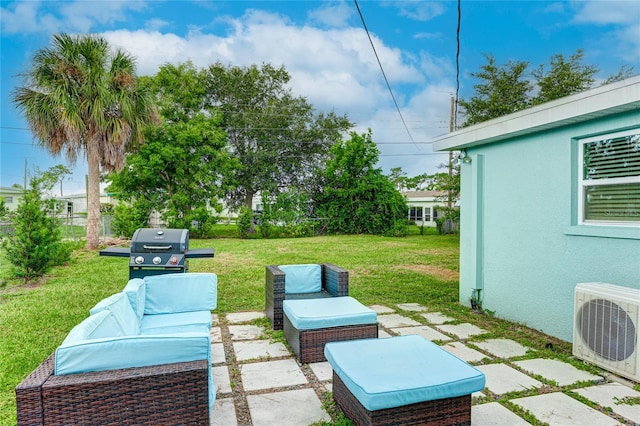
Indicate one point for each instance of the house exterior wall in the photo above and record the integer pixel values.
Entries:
(521, 243)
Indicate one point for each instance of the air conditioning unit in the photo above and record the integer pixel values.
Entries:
(606, 326)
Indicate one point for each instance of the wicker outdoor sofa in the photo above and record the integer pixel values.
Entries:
(166, 394)
(332, 281)
(142, 357)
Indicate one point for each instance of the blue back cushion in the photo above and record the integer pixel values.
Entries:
(99, 326)
(135, 290)
(172, 293)
(302, 278)
(118, 304)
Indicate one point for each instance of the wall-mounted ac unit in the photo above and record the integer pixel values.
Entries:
(606, 326)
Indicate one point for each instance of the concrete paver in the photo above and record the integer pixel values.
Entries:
(221, 379)
(381, 309)
(502, 348)
(271, 374)
(612, 395)
(562, 373)
(245, 332)
(216, 334)
(412, 307)
(257, 349)
(396, 320)
(502, 379)
(322, 370)
(437, 318)
(289, 408)
(494, 414)
(558, 409)
(217, 353)
(224, 413)
(463, 352)
(240, 317)
(424, 331)
(462, 331)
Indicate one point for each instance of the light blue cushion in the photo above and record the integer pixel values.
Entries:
(101, 325)
(302, 278)
(120, 307)
(135, 290)
(171, 293)
(125, 352)
(176, 323)
(311, 314)
(402, 370)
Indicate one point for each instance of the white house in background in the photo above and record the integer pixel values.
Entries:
(423, 206)
(11, 196)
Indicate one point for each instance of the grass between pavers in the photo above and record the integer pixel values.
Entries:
(385, 271)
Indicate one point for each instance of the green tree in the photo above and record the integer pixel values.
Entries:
(130, 216)
(501, 91)
(504, 89)
(276, 138)
(356, 197)
(565, 77)
(36, 244)
(82, 99)
(179, 170)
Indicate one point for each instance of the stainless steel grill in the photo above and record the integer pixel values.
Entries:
(158, 251)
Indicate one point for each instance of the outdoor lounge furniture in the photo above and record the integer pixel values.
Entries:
(307, 281)
(402, 380)
(310, 323)
(143, 356)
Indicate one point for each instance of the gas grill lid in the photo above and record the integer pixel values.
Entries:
(147, 240)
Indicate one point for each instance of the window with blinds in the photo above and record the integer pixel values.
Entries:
(610, 181)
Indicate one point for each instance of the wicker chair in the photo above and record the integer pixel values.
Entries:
(167, 394)
(335, 283)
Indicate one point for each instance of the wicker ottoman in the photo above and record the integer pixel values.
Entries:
(310, 323)
(405, 380)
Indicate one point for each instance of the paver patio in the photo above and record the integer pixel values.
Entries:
(261, 378)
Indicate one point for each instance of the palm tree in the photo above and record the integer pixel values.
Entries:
(82, 99)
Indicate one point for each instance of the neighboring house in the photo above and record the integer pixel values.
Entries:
(11, 196)
(423, 206)
(550, 197)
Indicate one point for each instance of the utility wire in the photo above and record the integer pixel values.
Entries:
(382, 69)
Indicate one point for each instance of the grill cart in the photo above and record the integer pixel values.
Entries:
(158, 251)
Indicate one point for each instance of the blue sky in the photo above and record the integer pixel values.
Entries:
(324, 47)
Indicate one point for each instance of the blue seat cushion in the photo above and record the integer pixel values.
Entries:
(311, 314)
(305, 278)
(401, 370)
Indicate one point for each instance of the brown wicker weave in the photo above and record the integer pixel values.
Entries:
(167, 394)
(308, 345)
(335, 283)
(440, 412)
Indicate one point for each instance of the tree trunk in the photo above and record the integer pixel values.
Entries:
(93, 201)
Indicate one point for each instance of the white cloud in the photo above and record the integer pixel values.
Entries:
(334, 14)
(30, 17)
(623, 17)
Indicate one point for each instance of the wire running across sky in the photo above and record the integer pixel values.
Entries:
(364, 24)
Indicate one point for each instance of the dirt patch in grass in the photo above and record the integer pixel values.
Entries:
(435, 271)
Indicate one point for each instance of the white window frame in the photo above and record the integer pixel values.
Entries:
(582, 182)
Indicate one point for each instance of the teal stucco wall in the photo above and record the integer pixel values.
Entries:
(520, 243)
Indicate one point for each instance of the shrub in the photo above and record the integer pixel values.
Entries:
(36, 244)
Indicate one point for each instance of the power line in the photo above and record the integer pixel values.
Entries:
(382, 70)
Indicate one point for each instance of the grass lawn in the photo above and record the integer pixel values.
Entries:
(419, 268)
